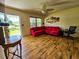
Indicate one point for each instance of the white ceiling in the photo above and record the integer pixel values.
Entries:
(37, 4)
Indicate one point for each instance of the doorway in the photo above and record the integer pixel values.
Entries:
(14, 25)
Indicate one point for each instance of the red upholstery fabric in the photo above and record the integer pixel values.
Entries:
(48, 30)
(37, 31)
(53, 30)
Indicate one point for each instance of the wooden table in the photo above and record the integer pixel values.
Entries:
(12, 43)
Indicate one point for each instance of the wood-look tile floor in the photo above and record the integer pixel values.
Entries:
(50, 47)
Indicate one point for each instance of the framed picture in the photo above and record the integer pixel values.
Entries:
(53, 20)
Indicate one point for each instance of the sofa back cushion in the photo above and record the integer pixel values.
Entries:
(56, 28)
(47, 28)
(37, 28)
(52, 28)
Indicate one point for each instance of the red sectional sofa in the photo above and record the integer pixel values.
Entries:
(47, 30)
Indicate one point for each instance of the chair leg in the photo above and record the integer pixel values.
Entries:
(5, 51)
(8, 52)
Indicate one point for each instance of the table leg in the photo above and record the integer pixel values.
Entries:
(20, 51)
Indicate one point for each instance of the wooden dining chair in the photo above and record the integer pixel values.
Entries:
(14, 42)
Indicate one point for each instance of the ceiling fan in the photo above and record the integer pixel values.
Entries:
(45, 9)
(46, 5)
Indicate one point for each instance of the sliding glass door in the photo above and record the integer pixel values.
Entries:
(14, 25)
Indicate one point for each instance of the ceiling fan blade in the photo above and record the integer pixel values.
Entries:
(59, 3)
(50, 9)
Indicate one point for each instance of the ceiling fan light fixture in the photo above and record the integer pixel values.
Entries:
(43, 12)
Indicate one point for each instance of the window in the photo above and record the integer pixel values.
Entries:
(39, 22)
(35, 22)
(32, 22)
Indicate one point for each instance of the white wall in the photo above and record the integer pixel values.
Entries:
(68, 17)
